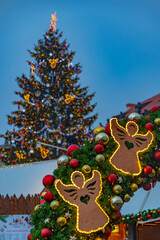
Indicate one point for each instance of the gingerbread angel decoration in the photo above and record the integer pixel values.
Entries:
(84, 194)
(126, 158)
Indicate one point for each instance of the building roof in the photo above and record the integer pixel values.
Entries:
(144, 105)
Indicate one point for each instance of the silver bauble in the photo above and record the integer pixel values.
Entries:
(102, 137)
(37, 93)
(116, 202)
(134, 116)
(62, 160)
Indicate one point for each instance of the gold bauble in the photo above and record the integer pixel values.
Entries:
(134, 187)
(100, 157)
(158, 171)
(139, 180)
(43, 193)
(36, 207)
(54, 204)
(86, 169)
(98, 238)
(153, 173)
(134, 116)
(157, 121)
(102, 137)
(117, 189)
(116, 202)
(127, 198)
(98, 130)
(61, 221)
(62, 160)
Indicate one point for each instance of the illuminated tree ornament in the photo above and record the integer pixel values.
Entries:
(53, 62)
(53, 22)
(69, 98)
(83, 195)
(125, 158)
(32, 68)
(20, 155)
(26, 97)
(44, 152)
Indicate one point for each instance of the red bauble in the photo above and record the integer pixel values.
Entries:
(74, 163)
(99, 148)
(141, 218)
(107, 232)
(107, 129)
(29, 237)
(147, 187)
(147, 170)
(48, 197)
(149, 126)
(118, 216)
(147, 117)
(45, 233)
(155, 108)
(132, 217)
(149, 216)
(71, 149)
(42, 201)
(157, 156)
(48, 180)
(112, 178)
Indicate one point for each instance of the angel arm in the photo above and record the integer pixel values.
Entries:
(68, 193)
(143, 142)
(118, 132)
(94, 185)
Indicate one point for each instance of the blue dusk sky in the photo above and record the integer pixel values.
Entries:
(117, 42)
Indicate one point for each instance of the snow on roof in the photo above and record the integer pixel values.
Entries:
(143, 200)
(25, 178)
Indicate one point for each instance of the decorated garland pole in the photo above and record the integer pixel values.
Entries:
(83, 197)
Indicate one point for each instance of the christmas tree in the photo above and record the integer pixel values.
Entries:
(53, 109)
(83, 197)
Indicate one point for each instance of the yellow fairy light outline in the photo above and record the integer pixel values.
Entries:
(26, 97)
(71, 185)
(53, 62)
(53, 22)
(32, 68)
(69, 98)
(140, 168)
(20, 155)
(44, 152)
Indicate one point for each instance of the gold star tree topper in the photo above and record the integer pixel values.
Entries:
(53, 22)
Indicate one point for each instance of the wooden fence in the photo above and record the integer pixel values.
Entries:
(21, 205)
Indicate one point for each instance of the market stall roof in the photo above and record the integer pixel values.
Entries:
(25, 178)
(143, 200)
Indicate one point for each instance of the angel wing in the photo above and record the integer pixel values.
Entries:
(143, 141)
(69, 193)
(118, 132)
(93, 186)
